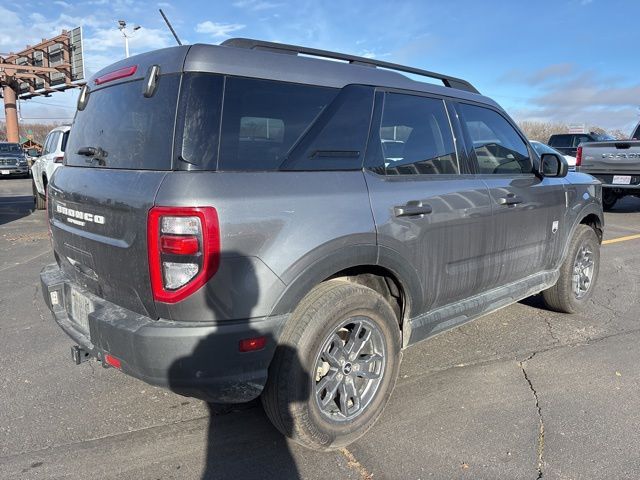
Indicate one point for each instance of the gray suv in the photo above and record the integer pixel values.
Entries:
(252, 219)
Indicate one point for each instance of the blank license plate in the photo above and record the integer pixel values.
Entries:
(5, 172)
(621, 180)
(81, 307)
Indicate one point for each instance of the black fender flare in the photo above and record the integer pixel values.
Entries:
(304, 279)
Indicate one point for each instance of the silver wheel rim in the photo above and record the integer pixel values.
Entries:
(583, 269)
(349, 369)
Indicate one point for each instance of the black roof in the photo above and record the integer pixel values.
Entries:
(239, 57)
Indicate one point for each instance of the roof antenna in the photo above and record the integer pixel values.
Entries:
(170, 27)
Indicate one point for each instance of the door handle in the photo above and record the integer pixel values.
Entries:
(412, 208)
(510, 199)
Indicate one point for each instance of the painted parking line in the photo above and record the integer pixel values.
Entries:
(621, 239)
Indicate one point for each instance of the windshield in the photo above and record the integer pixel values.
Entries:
(121, 128)
(10, 148)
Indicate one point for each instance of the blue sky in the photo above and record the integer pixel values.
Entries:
(564, 60)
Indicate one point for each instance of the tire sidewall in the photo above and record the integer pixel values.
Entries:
(361, 302)
(586, 236)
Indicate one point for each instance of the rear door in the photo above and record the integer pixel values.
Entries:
(528, 212)
(426, 205)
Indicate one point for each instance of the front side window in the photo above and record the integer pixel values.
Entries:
(415, 137)
(497, 146)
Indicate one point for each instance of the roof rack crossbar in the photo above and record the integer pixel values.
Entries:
(251, 44)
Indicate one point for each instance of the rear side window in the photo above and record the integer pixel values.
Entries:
(125, 129)
(497, 146)
(636, 134)
(262, 120)
(65, 138)
(415, 137)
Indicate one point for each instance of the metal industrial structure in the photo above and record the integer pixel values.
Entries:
(54, 65)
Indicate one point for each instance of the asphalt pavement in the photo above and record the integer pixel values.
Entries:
(523, 393)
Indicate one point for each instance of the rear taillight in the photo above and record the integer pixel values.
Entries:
(184, 250)
(58, 159)
(579, 157)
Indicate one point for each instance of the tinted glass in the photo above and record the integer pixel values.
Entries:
(337, 139)
(578, 139)
(497, 145)
(65, 138)
(200, 108)
(415, 136)
(127, 129)
(263, 120)
(603, 137)
(636, 134)
(561, 141)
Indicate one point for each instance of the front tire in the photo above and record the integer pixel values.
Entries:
(578, 273)
(335, 366)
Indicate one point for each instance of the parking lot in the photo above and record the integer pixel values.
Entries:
(522, 393)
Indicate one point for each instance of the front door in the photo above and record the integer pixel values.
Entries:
(528, 211)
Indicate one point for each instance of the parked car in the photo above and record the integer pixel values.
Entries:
(50, 160)
(616, 164)
(13, 161)
(567, 143)
(229, 224)
(542, 148)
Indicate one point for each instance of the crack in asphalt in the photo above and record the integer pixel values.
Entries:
(354, 464)
(540, 417)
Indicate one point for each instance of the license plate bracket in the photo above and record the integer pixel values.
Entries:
(621, 180)
(81, 307)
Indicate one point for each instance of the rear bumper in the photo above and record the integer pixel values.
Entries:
(607, 182)
(191, 358)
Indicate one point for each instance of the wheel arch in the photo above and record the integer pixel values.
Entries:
(378, 268)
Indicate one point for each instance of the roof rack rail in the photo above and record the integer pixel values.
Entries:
(251, 44)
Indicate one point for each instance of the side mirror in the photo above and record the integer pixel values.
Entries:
(552, 165)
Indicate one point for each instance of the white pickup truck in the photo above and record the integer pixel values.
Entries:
(615, 163)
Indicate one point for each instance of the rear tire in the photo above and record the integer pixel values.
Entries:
(38, 199)
(609, 200)
(578, 273)
(342, 337)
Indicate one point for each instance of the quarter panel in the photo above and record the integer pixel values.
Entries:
(286, 221)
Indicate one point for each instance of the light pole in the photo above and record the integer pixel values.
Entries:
(122, 25)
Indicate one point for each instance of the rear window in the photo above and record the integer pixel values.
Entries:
(562, 141)
(124, 128)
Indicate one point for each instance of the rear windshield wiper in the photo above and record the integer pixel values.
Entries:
(95, 154)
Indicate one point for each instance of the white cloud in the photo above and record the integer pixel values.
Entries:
(218, 30)
(256, 5)
(144, 39)
(62, 4)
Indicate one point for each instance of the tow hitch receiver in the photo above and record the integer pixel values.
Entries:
(79, 355)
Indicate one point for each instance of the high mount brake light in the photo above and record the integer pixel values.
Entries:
(184, 250)
(579, 157)
(116, 75)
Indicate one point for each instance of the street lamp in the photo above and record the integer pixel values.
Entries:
(122, 25)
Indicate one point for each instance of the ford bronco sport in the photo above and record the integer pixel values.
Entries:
(252, 219)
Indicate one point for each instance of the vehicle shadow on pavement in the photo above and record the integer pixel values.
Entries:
(241, 441)
(15, 207)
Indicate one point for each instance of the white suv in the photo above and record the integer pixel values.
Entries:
(51, 159)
